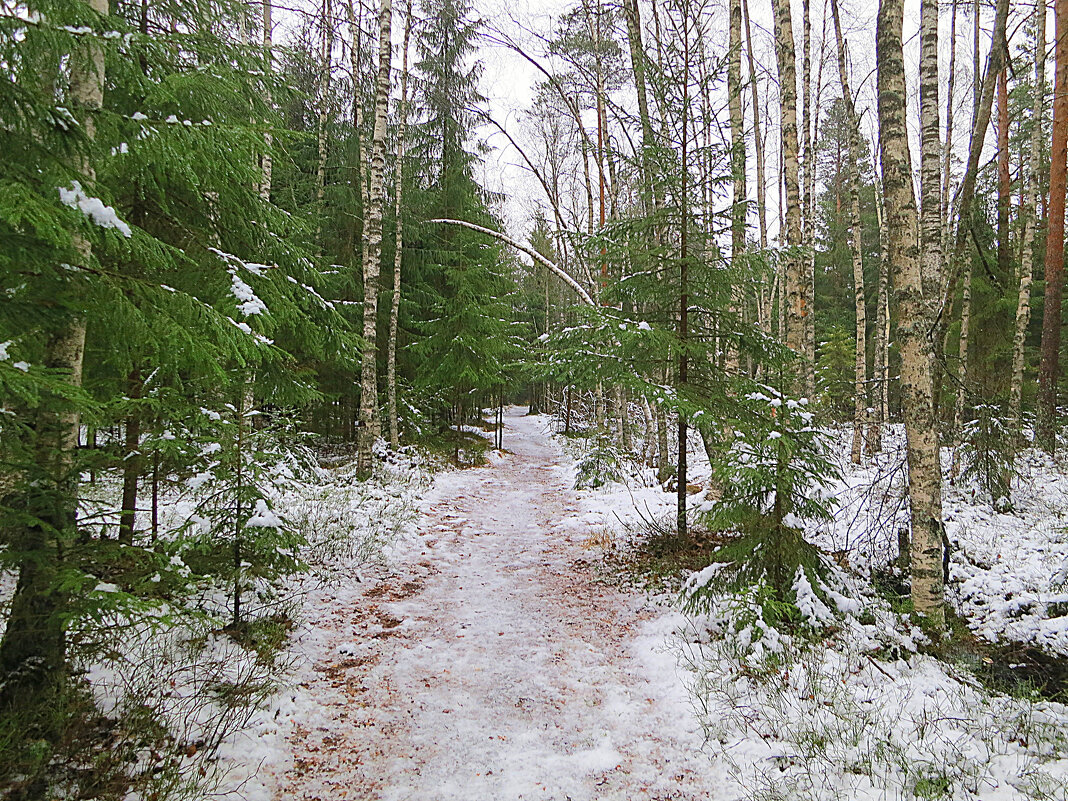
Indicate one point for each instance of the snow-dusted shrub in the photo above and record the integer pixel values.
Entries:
(771, 482)
(599, 465)
(988, 455)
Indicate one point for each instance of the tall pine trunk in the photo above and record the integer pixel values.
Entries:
(913, 320)
(368, 429)
(1049, 364)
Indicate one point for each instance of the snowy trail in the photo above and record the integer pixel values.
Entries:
(489, 665)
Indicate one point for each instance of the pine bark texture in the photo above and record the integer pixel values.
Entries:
(1029, 211)
(1049, 364)
(921, 430)
(368, 428)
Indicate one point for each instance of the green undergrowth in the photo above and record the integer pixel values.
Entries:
(460, 449)
(657, 559)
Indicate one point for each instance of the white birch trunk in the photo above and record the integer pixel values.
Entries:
(368, 428)
(394, 309)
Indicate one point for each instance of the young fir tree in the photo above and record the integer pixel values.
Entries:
(468, 341)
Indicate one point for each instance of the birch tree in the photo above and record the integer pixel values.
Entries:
(33, 649)
(368, 427)
(1029, 212)
(860, 395)
(793, 263)
(913, 321)
(398, 253)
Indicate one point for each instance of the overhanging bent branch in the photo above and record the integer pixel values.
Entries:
(571, 282)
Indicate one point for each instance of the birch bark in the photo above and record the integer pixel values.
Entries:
(793, 262)
(921, 430)
(398, 254)
(1028, 210)
(368, 428)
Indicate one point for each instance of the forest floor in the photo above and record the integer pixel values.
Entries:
(486, 663)
(507, 646)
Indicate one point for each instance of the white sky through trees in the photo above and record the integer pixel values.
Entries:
(509, 81)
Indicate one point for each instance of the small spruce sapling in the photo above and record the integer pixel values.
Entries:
(772, 478)
(987, 451)
(241, 539)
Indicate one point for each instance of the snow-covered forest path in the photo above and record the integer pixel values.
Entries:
(489, 664)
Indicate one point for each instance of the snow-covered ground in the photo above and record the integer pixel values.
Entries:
(486, 658)
(483, 662)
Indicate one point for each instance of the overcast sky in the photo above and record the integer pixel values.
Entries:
(509, 79)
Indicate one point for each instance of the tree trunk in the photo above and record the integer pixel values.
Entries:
(757, 140)
(737, 129)
(793, 262)
(860, 378)
(881, 357)
(326, 48)
(947, 145)
(808, 288)
(1029, 212)
(684, 287)
(368, 430)
(131, 460)
(33, 649)
(394, 309)
(921, 430)
(266, 165)
(962, 368)
(930, 158)
(966, 191)
(1049, 366)
(1004, 179)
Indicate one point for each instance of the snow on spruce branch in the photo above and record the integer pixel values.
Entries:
(93, 208)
